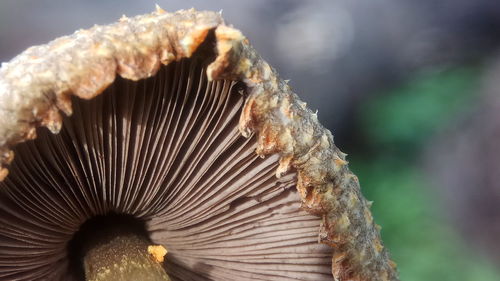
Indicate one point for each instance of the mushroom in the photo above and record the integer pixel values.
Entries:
(196, 147)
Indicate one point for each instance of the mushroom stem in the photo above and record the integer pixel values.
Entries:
(122, 257)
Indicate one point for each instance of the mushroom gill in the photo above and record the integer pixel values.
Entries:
(166, 156)
(167, 151)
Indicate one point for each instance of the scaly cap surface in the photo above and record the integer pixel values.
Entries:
(35, 87)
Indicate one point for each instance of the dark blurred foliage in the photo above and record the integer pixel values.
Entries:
(394, 131)
(409, 89)
(468, 174)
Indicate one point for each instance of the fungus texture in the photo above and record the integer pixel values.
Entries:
(195, 146)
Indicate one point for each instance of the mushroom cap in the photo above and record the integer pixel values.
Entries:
(197, 136)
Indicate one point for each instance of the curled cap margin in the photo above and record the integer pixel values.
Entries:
(37, 85)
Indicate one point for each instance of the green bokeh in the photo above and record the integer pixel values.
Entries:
(396, 126)
(401, 120)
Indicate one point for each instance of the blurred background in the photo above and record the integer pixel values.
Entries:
(410, 90)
